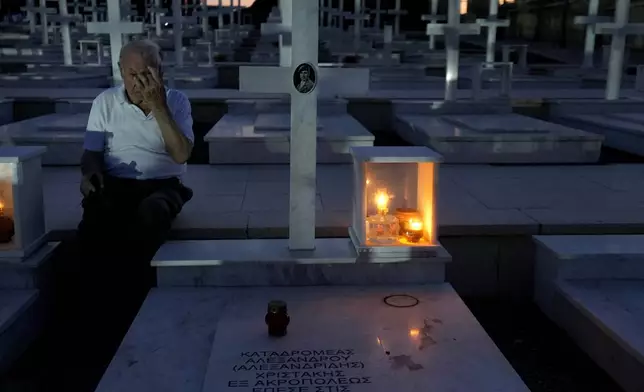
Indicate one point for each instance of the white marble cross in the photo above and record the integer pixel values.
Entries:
(358, 18)
(452, 30)
(341, 14)
(116, 28)
(44, 12)
(31, 16)
(157, 13)
(618, 30)
(303, 119)
(204, 13)
(326, 10)
(64, 19)
(377, 12)
(178, 20)
(304, 100)
(220, 15)
(590, 21)
(492, 23)
(177, 32)
(397, 12)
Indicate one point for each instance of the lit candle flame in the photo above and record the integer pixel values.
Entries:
(382, 200)
(414, 332)
(415, 224)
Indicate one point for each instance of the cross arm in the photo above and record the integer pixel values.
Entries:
(357, 17)
(591, 20)
(185, 20)
(493, 21)
(461, 29)
(64, 19)
(433, 18)
(112, 27)
(38, 10)
(615, 29)
(270, 80)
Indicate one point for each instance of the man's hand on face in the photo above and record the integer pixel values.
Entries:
(91, 183)
(152, 88)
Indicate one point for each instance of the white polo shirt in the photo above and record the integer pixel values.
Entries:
(132, 141)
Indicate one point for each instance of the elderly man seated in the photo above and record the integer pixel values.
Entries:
(139, 137)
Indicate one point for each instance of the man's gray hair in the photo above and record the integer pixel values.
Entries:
(149, 50)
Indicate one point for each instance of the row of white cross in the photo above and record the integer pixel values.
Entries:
(302, 17)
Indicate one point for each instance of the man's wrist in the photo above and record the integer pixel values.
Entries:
(161, 108)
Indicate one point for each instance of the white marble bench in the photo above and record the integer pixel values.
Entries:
(258, 132)
(495, 137)
(593, 287)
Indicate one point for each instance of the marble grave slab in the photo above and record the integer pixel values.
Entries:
(498, 138)
(622, 131)
(259, 133)
(350, 340)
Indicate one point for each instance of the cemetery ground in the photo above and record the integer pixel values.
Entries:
(542, 354)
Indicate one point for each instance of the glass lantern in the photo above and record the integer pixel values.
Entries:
(394, 202)
(22, 214)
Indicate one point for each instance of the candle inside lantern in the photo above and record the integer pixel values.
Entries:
(382, 201)
(382, 228)
(414, 230)
(7, 229)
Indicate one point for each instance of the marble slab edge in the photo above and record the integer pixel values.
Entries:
(21, 329)
(602, 344)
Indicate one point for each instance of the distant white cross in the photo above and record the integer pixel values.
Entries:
(619, 30)
(358, 18)
(492, 23)
(397, 12)
(304, 100)
(452, 30)
(178, 20)
(204, 13)
(377, 12)
(116, 28)
(31, 16)
(590, 21)
(220, 15)
(432, 17)
(44, 12)
(64, 19)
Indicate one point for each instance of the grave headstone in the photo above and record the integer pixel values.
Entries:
(397, 12)
(433, 17)
(590, 21)
(116, 28)
(358, 17)
(452, 31)
(301, 80)
(64, 19)
(492, 23)
(619, 30)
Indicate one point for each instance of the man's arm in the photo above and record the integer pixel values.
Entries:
(175, 121)
(94, 142)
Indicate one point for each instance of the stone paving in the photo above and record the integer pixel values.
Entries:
(252, 201)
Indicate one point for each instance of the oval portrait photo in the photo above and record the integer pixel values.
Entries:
(304, 78)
